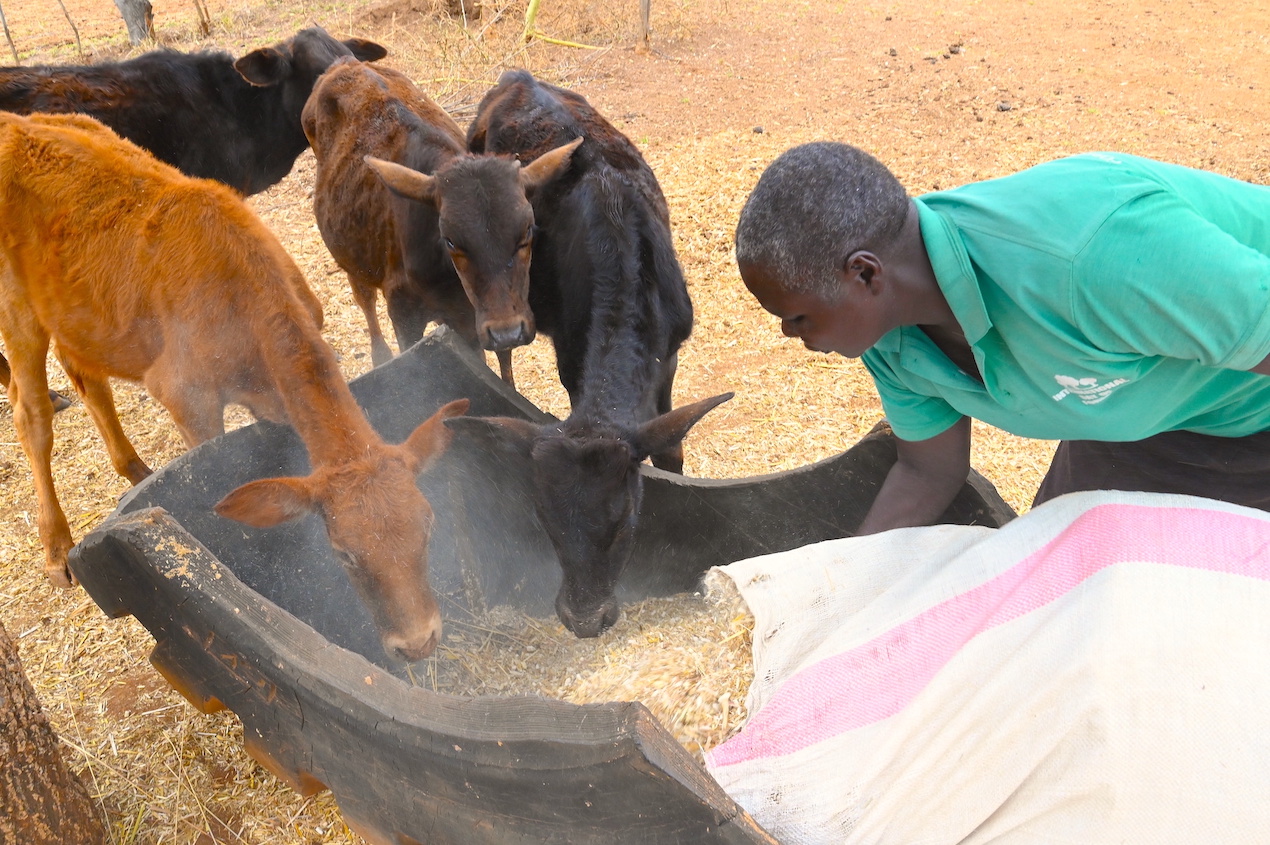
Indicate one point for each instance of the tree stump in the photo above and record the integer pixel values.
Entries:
(41, 801)
(138, 15)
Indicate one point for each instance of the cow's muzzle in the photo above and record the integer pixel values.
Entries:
(497, 336)
(587, 623)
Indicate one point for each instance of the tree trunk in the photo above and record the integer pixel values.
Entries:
(41, 802)
(139, 16)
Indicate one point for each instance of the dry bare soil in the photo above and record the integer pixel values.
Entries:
(943, 92)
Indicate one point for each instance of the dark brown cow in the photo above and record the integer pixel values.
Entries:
(135, 271)
(211, 116)
(445, 235)
(606, 287)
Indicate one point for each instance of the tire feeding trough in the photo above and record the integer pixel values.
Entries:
(266, 623)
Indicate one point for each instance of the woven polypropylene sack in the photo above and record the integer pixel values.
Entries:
(1096, 671)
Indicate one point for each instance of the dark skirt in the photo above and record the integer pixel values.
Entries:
(1232, 469)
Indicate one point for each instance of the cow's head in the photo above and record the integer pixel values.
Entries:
(587, 492)
(487, 226)
(378, 523)
(295, 64)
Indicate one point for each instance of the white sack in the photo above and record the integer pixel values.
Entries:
(1097, 671)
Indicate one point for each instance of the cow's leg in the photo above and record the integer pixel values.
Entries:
(33, 420)
(265, 406)
(60, 402)
(504, 357)
(410, 315)
(672, 458)
(99, 399)
(364, 293)
(196, 407)
(570, 354)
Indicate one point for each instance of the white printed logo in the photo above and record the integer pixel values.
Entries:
(1110, 159)
(1088, 389)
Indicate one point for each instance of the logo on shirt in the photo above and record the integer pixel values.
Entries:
(1088, 389)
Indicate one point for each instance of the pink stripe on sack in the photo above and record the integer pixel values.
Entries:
(879, 678)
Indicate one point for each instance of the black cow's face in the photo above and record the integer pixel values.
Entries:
(297, 62)
(587, 494)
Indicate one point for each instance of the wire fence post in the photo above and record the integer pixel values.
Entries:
(74, 29)
(204, 19)
(8, 37)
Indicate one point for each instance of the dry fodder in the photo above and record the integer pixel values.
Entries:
(685, 657)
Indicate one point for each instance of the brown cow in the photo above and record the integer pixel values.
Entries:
(452, 246)
(135, 271)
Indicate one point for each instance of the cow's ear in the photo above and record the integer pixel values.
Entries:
(269, 501)
(366, 51)
(430, 440)
(547, 166)
(263, 67)
(476, 134)
(515, 435)
(404, 181)
(661, 433)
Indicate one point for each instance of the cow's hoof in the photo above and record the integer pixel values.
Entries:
(60, 575)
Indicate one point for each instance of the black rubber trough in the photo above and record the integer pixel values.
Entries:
(266, 623)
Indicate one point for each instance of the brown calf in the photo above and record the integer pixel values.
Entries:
(135, 271)
(448, 239)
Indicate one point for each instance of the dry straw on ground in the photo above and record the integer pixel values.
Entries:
(1027, 82)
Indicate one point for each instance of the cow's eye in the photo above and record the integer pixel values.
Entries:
(449, 244)
(345, 558)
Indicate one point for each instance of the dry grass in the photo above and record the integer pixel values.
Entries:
(1180, 83)
(687, 658)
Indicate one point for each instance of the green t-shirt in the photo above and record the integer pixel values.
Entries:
(1105, 297)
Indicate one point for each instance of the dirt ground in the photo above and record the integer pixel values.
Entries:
(944, 93)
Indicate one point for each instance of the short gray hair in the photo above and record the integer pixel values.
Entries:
(815, 205)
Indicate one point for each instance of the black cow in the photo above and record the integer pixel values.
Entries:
(237, 122)
(606, 287)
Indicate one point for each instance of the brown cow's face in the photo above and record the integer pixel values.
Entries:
(487, 228)
(378, 523)
(486, 225)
